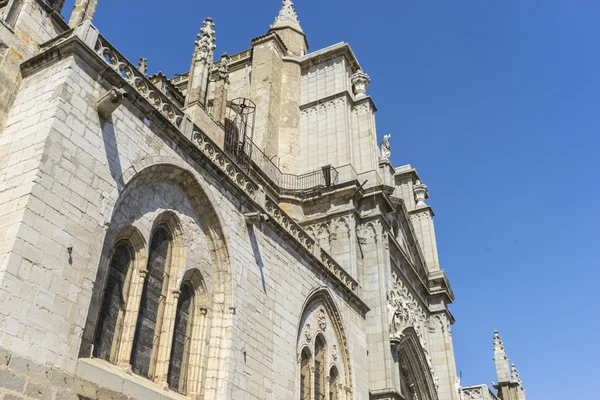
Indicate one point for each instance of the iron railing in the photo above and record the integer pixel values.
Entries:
(250, 157)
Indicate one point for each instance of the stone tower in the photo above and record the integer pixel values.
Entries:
(509, 386)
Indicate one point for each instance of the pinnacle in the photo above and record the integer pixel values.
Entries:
(287, 16)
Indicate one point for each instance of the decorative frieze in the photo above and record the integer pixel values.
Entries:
(138, 81)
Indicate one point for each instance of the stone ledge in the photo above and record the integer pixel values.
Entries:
(115, 379)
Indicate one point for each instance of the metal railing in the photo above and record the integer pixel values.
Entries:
(250, 157)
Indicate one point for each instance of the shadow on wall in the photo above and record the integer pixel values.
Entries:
(112, 151)
(257, 256)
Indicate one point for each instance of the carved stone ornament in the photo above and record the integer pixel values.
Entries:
(360, 82)
(334, 352)
(420, 193)
(143, 65)
(386, 148)
(405, 311)
(205, 45)
(307, 332)
(322, 318)
(223, 71)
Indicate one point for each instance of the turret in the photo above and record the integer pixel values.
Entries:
(288, 28)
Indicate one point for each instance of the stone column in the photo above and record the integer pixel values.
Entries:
(197, 352)
(221, 88)
(83, 10)
(166, 339)
(129, 324)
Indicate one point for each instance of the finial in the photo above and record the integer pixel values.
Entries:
(224, 67)
(143, 65)
(497, 340)
(205, 45)
(287, 16)
(515, 374)
(360, 82)
(421, 193)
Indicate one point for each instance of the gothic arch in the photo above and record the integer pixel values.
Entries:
(131, 238)
(413, 364)
(194, 187)
(322, 297)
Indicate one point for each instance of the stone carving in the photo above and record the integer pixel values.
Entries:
(472, 394)
(405, 311)
(143, 65)
(205, 45)
(386, 149)
(338, 271)
(138, 81)
(307, 332)
(322, 318)
(214, 153)
(421, 193)
(360, 83)
(286, 14)
(223, 71)
(334, 352)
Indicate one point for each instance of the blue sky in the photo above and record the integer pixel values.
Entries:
(497, 104)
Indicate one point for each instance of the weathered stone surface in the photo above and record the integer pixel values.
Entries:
(267, 272)
(10, 381)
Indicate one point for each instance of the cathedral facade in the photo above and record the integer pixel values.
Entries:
(234, 232)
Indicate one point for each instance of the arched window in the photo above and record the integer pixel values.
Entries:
(320, 365)
(179, 360)
(150, 316)
(305, 361)
(113, 303)
(334, 381)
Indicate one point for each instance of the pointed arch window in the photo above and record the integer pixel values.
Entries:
(334, 379)
(305, 361)
(320, 365)
(180, 349)
(149, 322)
(114, 303)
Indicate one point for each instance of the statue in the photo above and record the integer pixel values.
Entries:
(386, 149)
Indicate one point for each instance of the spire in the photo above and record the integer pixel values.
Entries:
(287, 17)
(517, 378)
(205, 45)
(515, 374)
(500, 359)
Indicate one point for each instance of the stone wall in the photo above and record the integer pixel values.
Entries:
(34, 23)
(78, 190)
(21, 378)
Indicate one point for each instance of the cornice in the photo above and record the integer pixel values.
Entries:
(268, 37)
(330, 52)
(344, 93)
